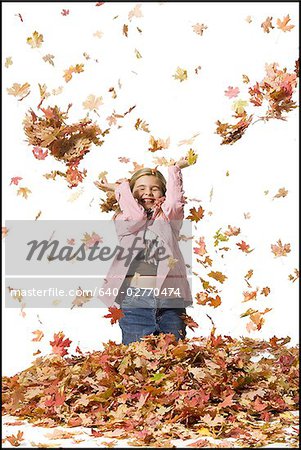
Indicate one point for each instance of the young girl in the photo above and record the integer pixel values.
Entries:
(153, 290)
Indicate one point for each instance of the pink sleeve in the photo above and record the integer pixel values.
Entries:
(173, 206)
(133, 215)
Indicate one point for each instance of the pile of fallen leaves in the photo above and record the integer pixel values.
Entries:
(67, 143)
(159, 389)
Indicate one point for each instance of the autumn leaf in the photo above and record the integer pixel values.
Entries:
(267, 25)
(245, 79)
(115, 314)
(65, 12)
(219, 237)
(15, 441)
(283, 25)
(92, 102)
(24, 191)
(158, 144)
(279, 249)
(201, 249)
(18, 90)
(138, 54)
(218, 276)
(189, 141)
(91, 240)
(49, 58)
(15, 180)
(196, 215)
(232, 92)
(172, 262)
(191, 157)
(4, 232)
(232, 231)
(244, 247)
(59, 344)
(36, 40)
(291, 277)
(188, 320)
(282, 192)
(81, 298)
(199, 28)
(38, 335)
(135, 12)
(249, 296)
(123, 159)
(98, 34)
(68, 73)
(142, 125)
(265, 291)
(125, 29)
(181, 74)
(38, 153)
(239, 106)
(8, 62)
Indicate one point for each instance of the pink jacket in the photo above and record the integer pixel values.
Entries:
(130, 223)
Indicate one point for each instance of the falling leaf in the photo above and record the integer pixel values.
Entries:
(280, 250)
(135, 12)
(232, 231)
(38, 335)
(247, 215)
(267, 25)
(295, 277)
(59, 344)
(196, 215)
(81, 298)
(244, 247)
(15, 180)
(245, 79)
(8, 62)
(232, 92)
(125, 29)
(78, 68)
(248, 19)
(138, 54)
(158, 144)
(199, 28)
(115, 314)
(282, 192)
(36, 40)
(188, 320)
(18, 90)
(92, 102)
(102, 175)
(4, 232)
(98, 34)
(239, 106)
(38, 153)
(20, 17)
(24, 191)
(38, 215)
(172, 262)
(249, 296)
(65, 12)
(57, 91)
(181, 74)
(142, 125)
(91, 240)
(201, 249)
(49, 58)
(283, 25)
(123, 159)
(191, 157)
(218, 276)
(265, 291)
(189, 141)
(15, 441)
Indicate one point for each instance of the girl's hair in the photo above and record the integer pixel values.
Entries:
(141, 173)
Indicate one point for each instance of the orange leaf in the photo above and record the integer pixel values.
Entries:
(38, 335)
(279, 249)
(59, 344)
(283, 25)
(115, 314)
(244, 247)
(196, 215)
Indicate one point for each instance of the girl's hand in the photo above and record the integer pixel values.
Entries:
(182, 163)
(103, 185)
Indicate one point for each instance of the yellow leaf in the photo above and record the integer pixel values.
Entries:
(172, 262)
(218, 276)
(138, 54)
(24, 191)
(239, 106)
(204, 432)
(18, 90)
(191, 157)
(36, 40)
(181, 74)
(8, 62)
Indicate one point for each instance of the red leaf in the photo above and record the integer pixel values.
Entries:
(38, 153)
(15, 180)
(115, 314)
(59, 344)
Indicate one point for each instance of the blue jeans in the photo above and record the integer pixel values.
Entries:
(144, 315)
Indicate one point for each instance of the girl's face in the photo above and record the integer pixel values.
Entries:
(147, 189)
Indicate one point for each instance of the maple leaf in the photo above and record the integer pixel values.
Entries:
(15, 180)
(15, 441)
(98, 34)
(201, 249)
(8, 62)
(188, 320)
(219, 237)
(233, 231)
(245, 79)
(68, 73)
(125, 29)
(123, 159)
(282, 192)
(158, 144)
(218, 276)
(142, 125)
(295, 277)
(115, 314)
(279, 249)
(38, 335)
(65, 12)
(239, 106)
(4, 232)
(92, 102)
(49, 58)
(81, 299)
(36, 40)
(232, 92)
(249, 296)
(181, 74)
(18, 90)
(24, 191)
(172, 262)
(196, 215)
(283, 25)
(91, 240)
(267, 25)
(244, 247)
(59, 344)
(38, 153)
(199, 28)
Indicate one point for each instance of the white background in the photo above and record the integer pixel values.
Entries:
(266, 158)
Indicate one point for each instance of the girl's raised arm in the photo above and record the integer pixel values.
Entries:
(173, 206)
